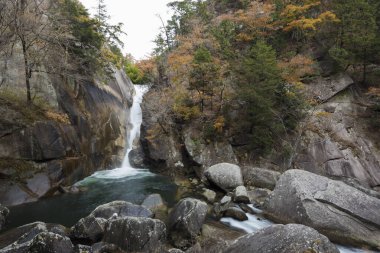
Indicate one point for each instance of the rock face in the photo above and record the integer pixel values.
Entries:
(121, 209)
(207, 154)
(261, 178)
(136, 234)
(225, 175)
(3, 215)
(341, 212)
(336, 141)
(292, 238)
(40, 152)
(186, 220)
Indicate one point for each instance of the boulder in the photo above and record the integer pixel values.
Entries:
(153, 201)
(23, 236)
(4, 212)
(226, 200)
(337, 210)
(236, 213)
(209, 195)
(258, 195)
(121, 209)
(89, 228)
(186, 220)
(136, 158)
(241, 195)
(292, 238)
(225, 175)
(175, 251)
(136, 234)
(47, 242)
(262, 178)
(92, 227)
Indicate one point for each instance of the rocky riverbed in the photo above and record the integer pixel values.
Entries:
(318, 212)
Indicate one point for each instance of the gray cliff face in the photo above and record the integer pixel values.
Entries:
(40, 155)
(335, 139)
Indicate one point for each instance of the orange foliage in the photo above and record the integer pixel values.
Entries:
(294, 69)
(255, 21)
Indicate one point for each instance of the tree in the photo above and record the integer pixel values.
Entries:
(358, 30)
(30, 26)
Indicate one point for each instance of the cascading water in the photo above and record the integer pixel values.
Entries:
(257, 221)
(133, 133)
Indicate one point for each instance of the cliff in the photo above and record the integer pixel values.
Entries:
(72, 129)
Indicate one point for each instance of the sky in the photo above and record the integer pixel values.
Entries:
(140, 19)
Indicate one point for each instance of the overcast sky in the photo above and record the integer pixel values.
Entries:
(140, 21)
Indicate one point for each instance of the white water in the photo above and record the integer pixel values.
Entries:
(133, 133)
(257, 222)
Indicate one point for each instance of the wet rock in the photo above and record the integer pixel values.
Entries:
(186, 220)
(121, 209)
(4, 212)
(292, 238)
(236, 213)
(136, 158)
(153, 201)
(262, 178)
(258, 195)
(136, 234)
(341, 212)
(225, 175)
(241, 195)
(209, 195)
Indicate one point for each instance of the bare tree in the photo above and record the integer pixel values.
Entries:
(29, 24)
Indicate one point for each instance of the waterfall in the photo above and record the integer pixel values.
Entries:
(135, 120)
(133, 134)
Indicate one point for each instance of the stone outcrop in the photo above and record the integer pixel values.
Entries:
(337, 210)
(292, 238)
(186, 220)
(136, 234)
(225, 176)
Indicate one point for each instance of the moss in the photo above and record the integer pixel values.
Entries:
(17, 169)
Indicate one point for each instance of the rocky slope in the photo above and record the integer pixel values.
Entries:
(333, 140)
(39, 153)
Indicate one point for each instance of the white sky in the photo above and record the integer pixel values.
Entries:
(140, 21)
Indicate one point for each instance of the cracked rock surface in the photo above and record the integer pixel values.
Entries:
(339, 211)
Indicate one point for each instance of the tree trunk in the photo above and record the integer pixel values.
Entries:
(27, 73)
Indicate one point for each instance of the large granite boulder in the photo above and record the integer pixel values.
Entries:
(225, 175)
(292, 238)
(341, 212)
(262, 178)
(186, 220)
(92, 227)
(136, 234)
(4, 212)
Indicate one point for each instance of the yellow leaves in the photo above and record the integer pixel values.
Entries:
(302, 18)
(297, 67)
(323, 114)
(219, 124)
(58, 117)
